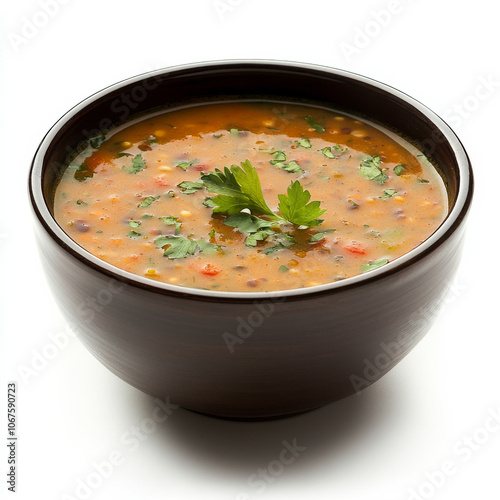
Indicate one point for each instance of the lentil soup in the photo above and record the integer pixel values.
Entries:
(313, 196)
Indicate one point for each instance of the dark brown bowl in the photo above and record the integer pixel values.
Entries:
(250, 355)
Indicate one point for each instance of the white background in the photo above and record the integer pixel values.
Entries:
(73, 413)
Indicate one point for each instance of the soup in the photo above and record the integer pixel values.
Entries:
(250, 196)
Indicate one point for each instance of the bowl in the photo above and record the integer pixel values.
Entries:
(250, 355)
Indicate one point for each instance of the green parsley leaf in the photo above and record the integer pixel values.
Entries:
(423, 181)
(186, 164)
(304, 143)
(260, 235)
(147, 201)
(247, 223)
(316, 126)
(370, 168)
(81, 202)
(283, 269)
(146, 216)
(399, 169)
(275, 248)
(179, 248)
(138, 164)
(134, 223)
(295, 208)
(388, 193)
(190, 187)
(237, 188)
(209, 203)
(120, 155)
(373, 265)
(134, 235)
(217, 136)
(172, 221)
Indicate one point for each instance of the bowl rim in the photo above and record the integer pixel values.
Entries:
(448, 226)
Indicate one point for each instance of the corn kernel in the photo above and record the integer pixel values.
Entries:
(151, 272)
(185, 213)
(293, 263)
(401, 199)
(159, 133)
(339, 118)
(165, 168)
(268, 123)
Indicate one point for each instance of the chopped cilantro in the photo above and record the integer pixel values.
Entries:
(423, 181)
(134, 223)
(316, 126)
(179, 248)
(292, 166)
(83, 172)
(186, 164)
(190, 187)
(370, 168)
(147, 201)
(217, 136)
(320, 236)
(260, 235)
(138, 164)
(247, 223)
(388, 193)
(399, 169)
(328, 152)
(283, 269)
(81, 202)
(96, 141)
(209, 203)
(172, 221)
(373, 265)
(304, 143)
(134, 235)
(120, 155)
(146, 216)
(278, 157)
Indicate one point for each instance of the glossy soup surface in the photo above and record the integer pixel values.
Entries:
(121, 196)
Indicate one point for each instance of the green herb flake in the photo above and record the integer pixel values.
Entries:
(260, 235)
(99, 232)
(247, 223)
(304, 143)
(146, 216)
(423, 181)
(234, 131)
(211, 234)
(172, 221)
(179, 248)
(278, 157)
(186, 164)
(370, 266)
(328, 152)
(339, 148)
(121, 155)
(316, 126)
(134, 223)
(81, 203)
(370, 169)
(138, 164)
(147, 201)
(83, 172)
(134, 235)
(96, 141)
(217, 136)
(399, 169)
(283, 269)
(388, 193)
(190, 187)
(293, 167)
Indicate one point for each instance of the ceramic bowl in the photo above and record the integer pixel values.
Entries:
(250, 355)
